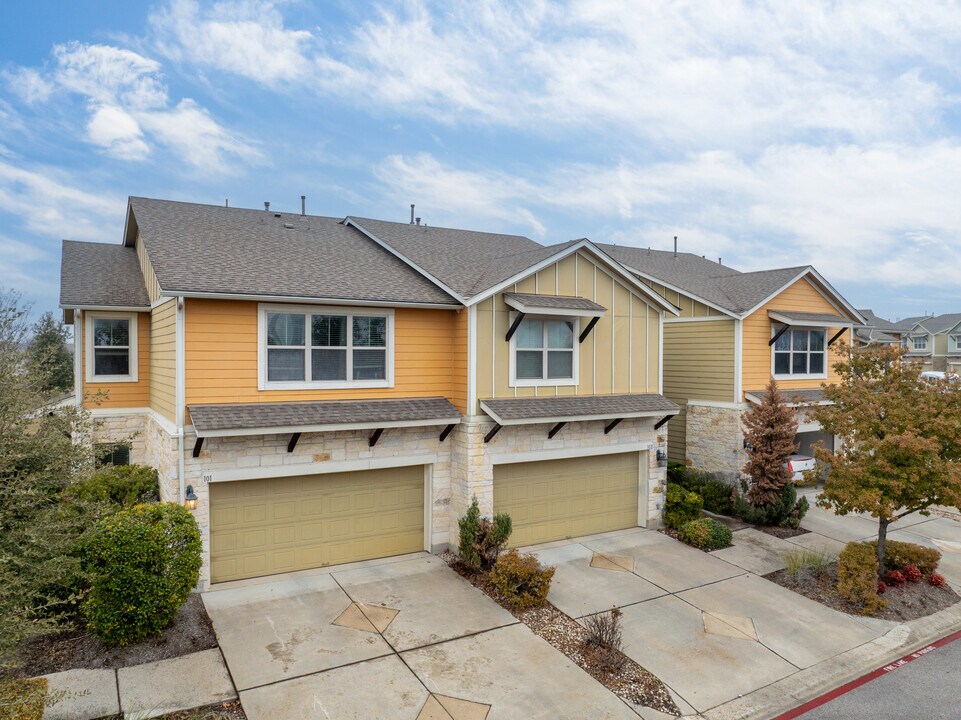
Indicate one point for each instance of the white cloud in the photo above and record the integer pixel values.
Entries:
(854, 212)
(129, 108)
(118, 132)
(247, 38)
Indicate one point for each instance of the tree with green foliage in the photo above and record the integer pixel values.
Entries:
(52, 361)
(771, 427)
(900, 439)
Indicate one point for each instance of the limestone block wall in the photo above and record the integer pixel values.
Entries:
(474, 459)
(266, 455)
(122, 428)
(161, 453)
(715, 439)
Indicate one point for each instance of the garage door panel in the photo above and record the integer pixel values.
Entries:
(556, 499)
(262, 527)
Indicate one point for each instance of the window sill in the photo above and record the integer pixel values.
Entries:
(335, 385)
(821, 376)
(98, 379)
(543, 383)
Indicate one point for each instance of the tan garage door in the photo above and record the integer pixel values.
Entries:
(263, 527)
(557, 499)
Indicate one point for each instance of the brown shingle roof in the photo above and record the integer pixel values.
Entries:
(101, 275)
(808, 396)
(546, 409)
(555, 302)
(801, 317)
(236, 418)
(237, 251)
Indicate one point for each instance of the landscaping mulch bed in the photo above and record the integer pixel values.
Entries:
(908, 602)
(222, 711)
(632, 683)
(781, 532)
(190, 631)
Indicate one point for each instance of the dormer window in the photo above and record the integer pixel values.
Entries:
(954, 343)
(543, 352)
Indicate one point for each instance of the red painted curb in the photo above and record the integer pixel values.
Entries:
(864, 680)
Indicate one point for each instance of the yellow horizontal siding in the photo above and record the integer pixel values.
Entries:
(163, 359)
(120, 394)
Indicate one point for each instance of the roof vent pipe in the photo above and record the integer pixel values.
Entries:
(266, 206)
(412, 213)
(418, 220)
(303, 204)
(675, 246)
(719, 261)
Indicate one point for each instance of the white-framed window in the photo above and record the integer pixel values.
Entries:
(920, 343)
(111, 353)
(800, 353)
(325, 347)
(954, 343)
(544, 351)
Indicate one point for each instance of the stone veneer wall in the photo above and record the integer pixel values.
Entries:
(474, 467)
(715, 440)
(127, 428)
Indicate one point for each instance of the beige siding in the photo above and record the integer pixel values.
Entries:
(163, 359)
(698, 365)
(149, 277)
(619, 356)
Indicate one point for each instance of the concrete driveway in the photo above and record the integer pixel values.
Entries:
(404, 640)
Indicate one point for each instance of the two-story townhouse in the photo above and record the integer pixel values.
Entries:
(934, 342)
(876, 330)
(735, 331)
(333, 390)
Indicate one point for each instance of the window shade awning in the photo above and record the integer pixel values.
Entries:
(574, 408)
(568, 306)
(811, 319)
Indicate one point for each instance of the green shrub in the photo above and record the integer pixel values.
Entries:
(681, 506)
(677, 473)
(716, 493)
(521, 579)
(482, 540)
(143, 563)
(899, 554)
(804, 561)
(705, 533)
(858, 577)
(786, 512)
(123, 485)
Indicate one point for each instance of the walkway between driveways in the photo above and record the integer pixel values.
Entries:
(405, 640)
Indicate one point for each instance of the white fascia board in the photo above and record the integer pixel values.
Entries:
(858, 317)
(109, 308)
(522, 307)
(574, 418)
(350, 222)
(781, 318)
(290, 429)
(314, 300)
(681, 291)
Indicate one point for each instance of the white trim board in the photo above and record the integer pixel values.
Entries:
(311, 468)
(133, 357)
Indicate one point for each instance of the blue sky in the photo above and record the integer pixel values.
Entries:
(768, 135)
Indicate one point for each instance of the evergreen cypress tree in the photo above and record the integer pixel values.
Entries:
(771, 429)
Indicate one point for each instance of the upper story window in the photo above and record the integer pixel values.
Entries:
(544, 352)
(325, 347)
(800, 353)
(954, 343)
(920, 343)
(111, 347)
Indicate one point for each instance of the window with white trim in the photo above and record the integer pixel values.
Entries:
(800, 352)
(544, 352)
(111, 347)
(920, 343)
(325, 347)
(954, 344)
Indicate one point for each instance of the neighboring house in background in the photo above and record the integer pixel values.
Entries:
(934, 342)
(338, 389)
(877, 331)
(735, 331)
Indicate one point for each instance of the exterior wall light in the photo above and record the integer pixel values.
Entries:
(190, 499)
(661, 458)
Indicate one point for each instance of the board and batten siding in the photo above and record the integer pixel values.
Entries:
(698, 365)
(756, 370)
(119, 394)
(221, 356)
(163, 359)
(619, 356)
(149, 276)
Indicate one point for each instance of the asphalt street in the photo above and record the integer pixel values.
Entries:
(928, 688)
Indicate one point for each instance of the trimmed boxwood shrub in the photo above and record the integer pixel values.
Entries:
(858, 577)
(898, 555)
(716, 493)
(143, 563)
(681, 506)
(705, 533)
(123, 485)
(521, 579)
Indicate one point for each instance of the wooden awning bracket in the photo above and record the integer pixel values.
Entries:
(197, 446)
(556, 429)
(493, 431)
(663, 421)
(611, 425)
(779, 334)
(446, 431)
(514, 325)
(294, 439)
(587, 331)
(837, 335)
(375, 437)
